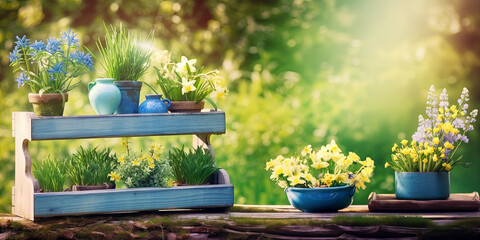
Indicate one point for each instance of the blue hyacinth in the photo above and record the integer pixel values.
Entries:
(53, 45)
(70, 38)
(14, 55)
(23, 42)
(57, 68)
(22, 79)
(82, 58)
(38, 46)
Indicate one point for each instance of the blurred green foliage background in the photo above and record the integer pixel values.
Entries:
(300, 72)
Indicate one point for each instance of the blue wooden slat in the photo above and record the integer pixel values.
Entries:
(134, 199)
(48, 128)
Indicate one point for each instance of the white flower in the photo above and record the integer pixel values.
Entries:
(187, 86)
(181, 67)
(219, 94)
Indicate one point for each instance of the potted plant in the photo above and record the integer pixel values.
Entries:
(193, 167)
(49, 70)
(125, 58)
(50, 174)
(422, 166)
(148, 169)
(187, 86)
(88, 169)
(321, 181)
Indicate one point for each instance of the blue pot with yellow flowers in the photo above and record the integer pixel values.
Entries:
(422, 166)
(321, 181)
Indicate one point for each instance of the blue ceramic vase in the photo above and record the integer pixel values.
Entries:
(154, 104)
(104, 96)
(130, 91)
(422, 185)
(329, 199)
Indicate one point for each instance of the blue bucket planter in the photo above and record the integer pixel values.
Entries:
(130, 92)
(329, 199)
(422, 185)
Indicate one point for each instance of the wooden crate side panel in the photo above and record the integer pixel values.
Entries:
(48, 128)
(100, 201)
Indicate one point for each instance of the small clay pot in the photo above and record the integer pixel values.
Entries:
(186, 106)
(49, 104)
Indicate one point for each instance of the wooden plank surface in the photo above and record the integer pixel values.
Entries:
(135, 199)
(456, 202)
(120, 125)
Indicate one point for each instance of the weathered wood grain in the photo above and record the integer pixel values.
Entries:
(101, 126)
(133, 199)
(456, 202)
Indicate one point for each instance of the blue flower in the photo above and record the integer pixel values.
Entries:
(23, 42)
(22, 79)
(14, 55)
(53, 45)
(57, 69)
(83, 58)
(38, 46)
(70, 38)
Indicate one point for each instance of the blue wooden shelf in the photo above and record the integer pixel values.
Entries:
(102, 126)
(28, 202)
(133, 199)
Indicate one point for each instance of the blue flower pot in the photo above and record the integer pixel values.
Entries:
(422, 185)
(104, 96)
(130, 91)
(329, 199)
(154, 104)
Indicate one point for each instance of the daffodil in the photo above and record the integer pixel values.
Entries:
(187, 86)
(114, 176)
(181, 67)
(306, 150)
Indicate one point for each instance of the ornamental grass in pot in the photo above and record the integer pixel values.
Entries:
(422, 166)
(186, 85)
(88, 169)
(48, 69)
(194, 167)
(125, 58)
(323, 180)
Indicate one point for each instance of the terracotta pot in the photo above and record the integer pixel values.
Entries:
(49, 104)
(186, 106)
(98, 187)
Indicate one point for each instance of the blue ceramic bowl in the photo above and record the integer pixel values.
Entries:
(422, 185)
(329, 199)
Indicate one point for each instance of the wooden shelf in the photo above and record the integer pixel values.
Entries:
(29, 203)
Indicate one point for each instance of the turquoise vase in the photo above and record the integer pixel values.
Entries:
(154, 104)
(422, 185)
(104, 96)
(130, 91)
(328, 199)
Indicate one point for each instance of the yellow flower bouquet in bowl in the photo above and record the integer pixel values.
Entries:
(323, 180)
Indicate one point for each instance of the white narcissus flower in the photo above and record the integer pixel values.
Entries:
(187, 86)
(219, 94)
(181, 67)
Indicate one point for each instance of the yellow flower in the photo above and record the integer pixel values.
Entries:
(327, 179)
(387, 165)
(448, 145)
(151, 165)
(395, 158)
(370, 162)
(282, 184)
(114, 176)
(121, 160)
(440, 110)
(306, 150)
(404, 142)
(150, 159)
(436, 140)
(394, 148)
(435, 130)
(320, 164)
(342, 177)
(135, 162)
(352, 157)
(425, 160)
(435, 158)
(405, 151)
(447, 166)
